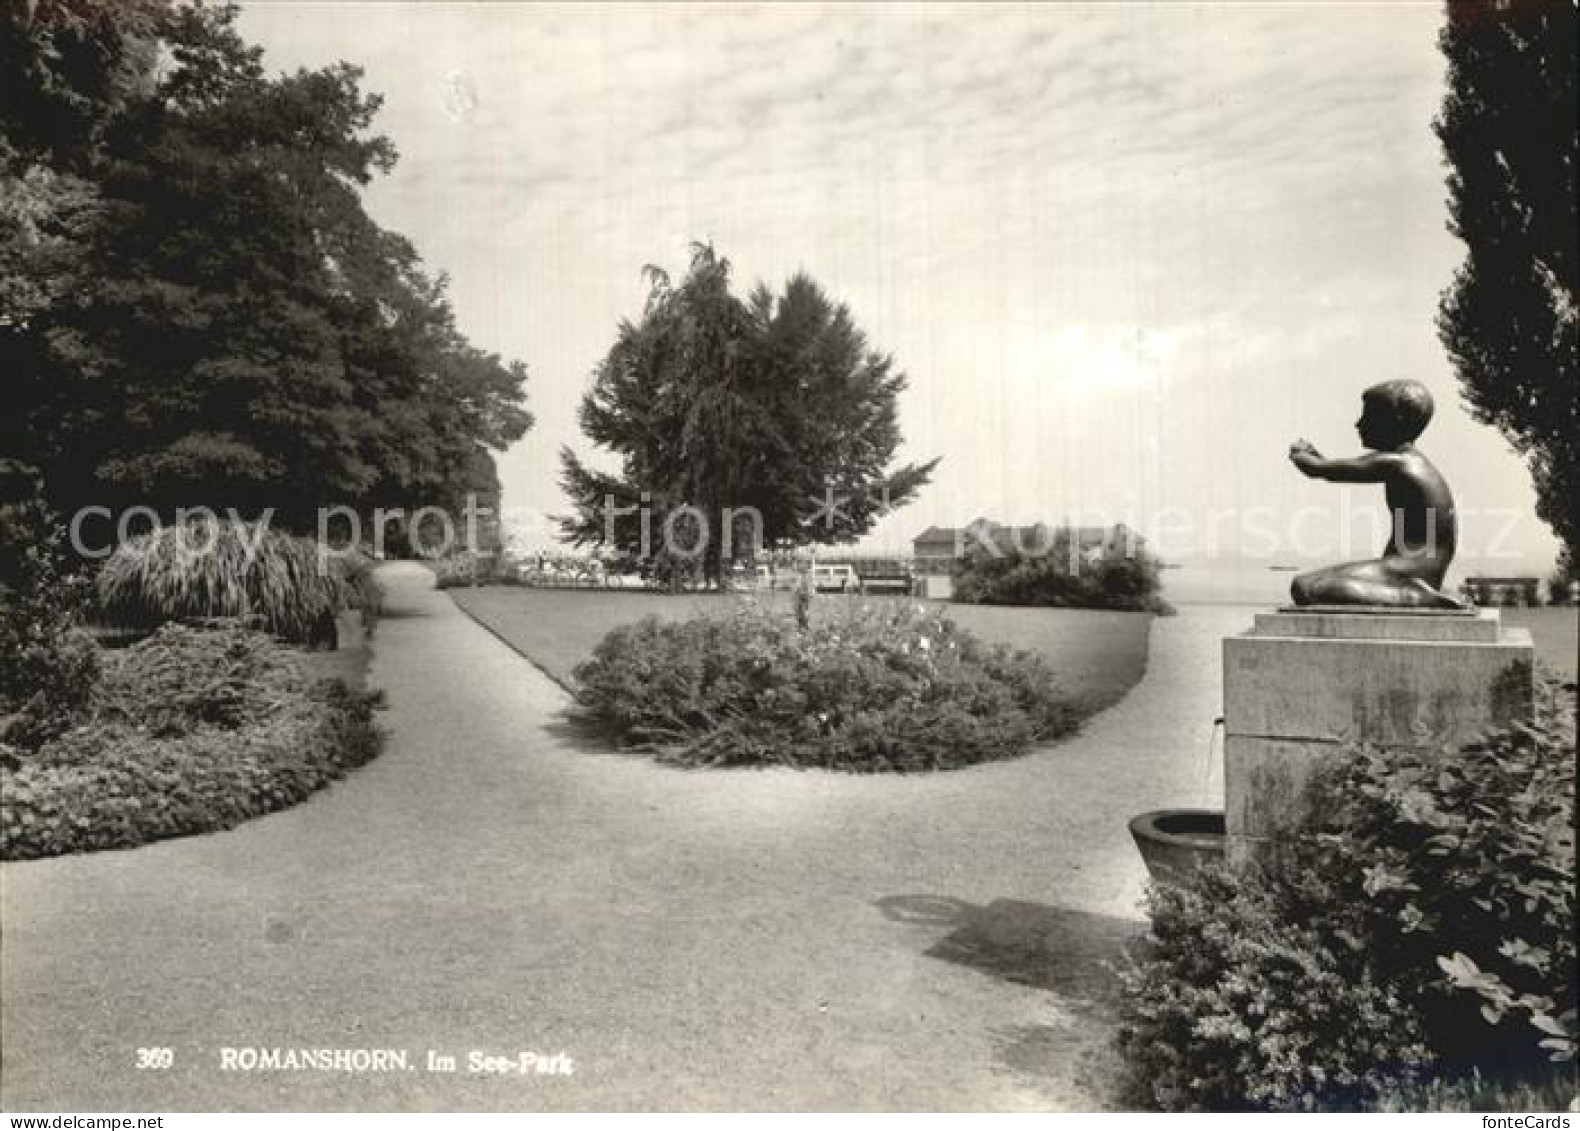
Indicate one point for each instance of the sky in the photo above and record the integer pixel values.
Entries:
(1125, 252)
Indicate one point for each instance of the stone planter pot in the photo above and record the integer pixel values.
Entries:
(1174, 842)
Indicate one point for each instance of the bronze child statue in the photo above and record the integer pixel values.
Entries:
(1411, 569)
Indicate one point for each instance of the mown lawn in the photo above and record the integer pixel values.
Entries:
(1555, 633)
(1099, 655)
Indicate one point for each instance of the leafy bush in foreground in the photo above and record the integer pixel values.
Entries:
(222, 568)
(189, 731)
(1464, 864)
(895, 688)
(1245, 1005)
(1415, 944)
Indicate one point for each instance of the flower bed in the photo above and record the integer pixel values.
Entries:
(880, 688)
(188, 731)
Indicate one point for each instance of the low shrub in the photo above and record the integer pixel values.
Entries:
(1242, 1005)
(182, 678)
(673, 572)
(895, 688)
(1415, 943)
(111, 785)
(1553, 1091)
(189, 731)
(1117, 576)
(212, 568)
(1464, 863)
(49, 664)
(465, 569)
(366, 594)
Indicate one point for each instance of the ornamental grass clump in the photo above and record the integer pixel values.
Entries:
(224, 568)
(894, 687)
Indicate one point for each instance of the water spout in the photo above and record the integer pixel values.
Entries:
(1206, 781)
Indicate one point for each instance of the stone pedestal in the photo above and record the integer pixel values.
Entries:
(1302, 682)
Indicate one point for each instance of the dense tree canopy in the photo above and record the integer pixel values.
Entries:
(195, 309)
(776, 403)
(1509, 320)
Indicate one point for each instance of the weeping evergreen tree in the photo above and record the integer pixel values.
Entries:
(715, 405)
(1509, 319)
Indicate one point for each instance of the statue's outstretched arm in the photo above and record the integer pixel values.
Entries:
(1373, 467)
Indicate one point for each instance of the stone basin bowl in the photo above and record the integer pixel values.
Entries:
(1174, 842)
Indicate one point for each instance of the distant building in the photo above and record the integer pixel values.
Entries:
(934, 550)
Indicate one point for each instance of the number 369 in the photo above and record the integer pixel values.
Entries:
(155, 1058)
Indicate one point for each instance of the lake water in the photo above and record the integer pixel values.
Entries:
(1226, 583)
(1554, 631)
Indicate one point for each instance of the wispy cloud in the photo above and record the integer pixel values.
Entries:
(1254, 185)
(606, 102)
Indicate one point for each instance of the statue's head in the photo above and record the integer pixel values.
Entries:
(1393, 414)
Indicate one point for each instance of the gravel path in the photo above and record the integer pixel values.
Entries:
(494, 882)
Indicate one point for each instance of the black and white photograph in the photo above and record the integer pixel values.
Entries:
(768, 557)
